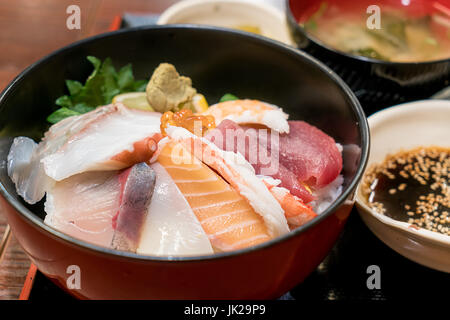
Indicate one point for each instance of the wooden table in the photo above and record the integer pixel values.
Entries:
(29, 31)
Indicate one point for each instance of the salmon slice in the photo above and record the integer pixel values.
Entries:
(227, 218)
(235, 170)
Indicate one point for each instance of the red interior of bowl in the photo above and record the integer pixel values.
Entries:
(303, 9)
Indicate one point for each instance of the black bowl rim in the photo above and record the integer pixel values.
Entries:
(355, 105)
(292, 21)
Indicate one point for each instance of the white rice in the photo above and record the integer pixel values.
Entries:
(327, 195)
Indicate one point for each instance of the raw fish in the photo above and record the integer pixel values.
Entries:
(234, 169)
(137, 184)
(227, 218)
(310, 154)
(111, 137)
(259, 154)
(106, 208)
(83, 206)
(306, 155)
(171, 227)
(26, 171)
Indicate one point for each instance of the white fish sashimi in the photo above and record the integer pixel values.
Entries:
(84, 205)
(239, 173)
(26, 171)
(105, 140)
(24, 159)
(111, 137)
(171, 227)
(107, 208)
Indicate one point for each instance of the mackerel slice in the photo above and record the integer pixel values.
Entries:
(137, 184)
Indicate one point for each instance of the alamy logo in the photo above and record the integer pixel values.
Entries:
(374, 20)
(74, 19)
(374, 280)
(74, 280)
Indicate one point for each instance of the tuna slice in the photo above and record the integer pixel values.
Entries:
(84, 206)
(305, 155)
(137, 184)
(171, 227)
(256, 148)
(111, 137)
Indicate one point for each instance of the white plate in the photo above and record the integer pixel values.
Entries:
(404, 127)
(230, 14)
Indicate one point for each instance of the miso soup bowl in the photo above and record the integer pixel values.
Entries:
(218, 61)
(377, 83)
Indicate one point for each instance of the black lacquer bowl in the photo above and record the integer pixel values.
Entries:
(218, 61)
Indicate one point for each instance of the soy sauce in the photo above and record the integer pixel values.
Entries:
(414, 187)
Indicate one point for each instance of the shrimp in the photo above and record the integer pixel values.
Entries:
(250, 111)
(296, 211)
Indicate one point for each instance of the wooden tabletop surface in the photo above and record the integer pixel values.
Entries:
(30, 30)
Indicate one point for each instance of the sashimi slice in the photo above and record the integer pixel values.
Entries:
(261, 152)
(171, 227)
(137, 184)
(238, 173)
(111, 137)
(25, 167)
(226, 217)
(310, 154)
(84, 205)
(27, 172)
(250, 111)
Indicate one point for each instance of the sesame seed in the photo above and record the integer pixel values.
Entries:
(414, 183)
